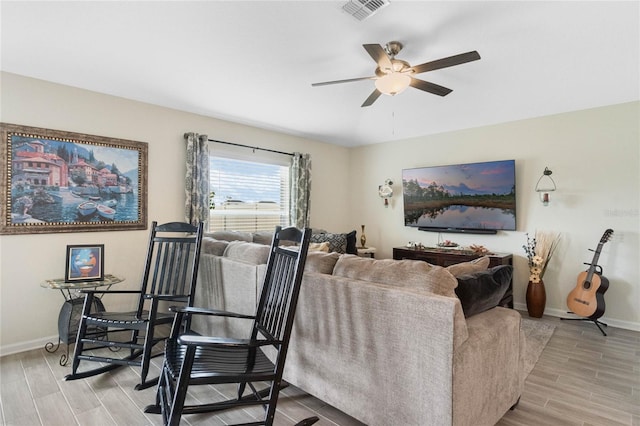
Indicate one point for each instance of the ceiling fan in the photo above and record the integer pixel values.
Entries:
(395, 75)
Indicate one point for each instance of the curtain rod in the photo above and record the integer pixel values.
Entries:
(252, 147)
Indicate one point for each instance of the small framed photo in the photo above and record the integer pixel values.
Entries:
(84, 263)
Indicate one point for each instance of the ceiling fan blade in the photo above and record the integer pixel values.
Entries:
(349, 80)
(447, 62)
(429, 87)
(379, 55)
(372, 98)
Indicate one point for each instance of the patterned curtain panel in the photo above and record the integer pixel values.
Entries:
(197, 179)
(300, 189)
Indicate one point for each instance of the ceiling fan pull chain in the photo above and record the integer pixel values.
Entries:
(393, 123)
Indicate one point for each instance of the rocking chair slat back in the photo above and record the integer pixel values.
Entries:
(174, 268)
(277, 297)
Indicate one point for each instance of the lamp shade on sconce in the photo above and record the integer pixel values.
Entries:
(545, 186)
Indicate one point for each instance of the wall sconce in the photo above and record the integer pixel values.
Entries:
(545, 185)
(385, 191)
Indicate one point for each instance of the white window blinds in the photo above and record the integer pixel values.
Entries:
(248, 195)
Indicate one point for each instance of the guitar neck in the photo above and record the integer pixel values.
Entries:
(594, 262)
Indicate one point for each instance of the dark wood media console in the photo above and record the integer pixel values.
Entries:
(446, 257)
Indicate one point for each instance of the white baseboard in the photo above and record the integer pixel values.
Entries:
(15, 348)
(627, 325)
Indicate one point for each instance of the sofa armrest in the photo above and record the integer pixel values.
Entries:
(489, 362)
(229, 285)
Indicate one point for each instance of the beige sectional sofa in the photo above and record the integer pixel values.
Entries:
(385, 341)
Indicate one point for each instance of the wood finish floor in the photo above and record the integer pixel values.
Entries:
(582, 378)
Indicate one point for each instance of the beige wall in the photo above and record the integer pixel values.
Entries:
(593, 154)
(595, 159)
(26, 260)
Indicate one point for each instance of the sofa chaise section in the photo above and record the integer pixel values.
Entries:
(402, 355)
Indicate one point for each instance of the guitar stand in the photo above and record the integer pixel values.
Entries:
(595, 321)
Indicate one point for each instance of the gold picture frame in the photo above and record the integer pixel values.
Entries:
(58, 181)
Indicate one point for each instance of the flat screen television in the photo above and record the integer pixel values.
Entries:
(473, 198)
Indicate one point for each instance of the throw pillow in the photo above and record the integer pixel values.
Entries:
(477, 265)
(402, 273)
(321, 262)
(351, 243)
(337, 242)
(481, 291)
(319, 247)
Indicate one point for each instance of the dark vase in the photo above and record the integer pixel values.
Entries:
(536, 299)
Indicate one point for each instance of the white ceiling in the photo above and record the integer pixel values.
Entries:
(254, 62)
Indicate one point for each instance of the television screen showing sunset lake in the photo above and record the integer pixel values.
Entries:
(463, 196)
(64, 182)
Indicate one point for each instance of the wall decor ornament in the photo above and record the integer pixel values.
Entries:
(58, 181)
(545, 185)
(385, 191)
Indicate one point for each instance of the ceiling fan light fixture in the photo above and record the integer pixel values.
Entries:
(393, 76)
(393, 83)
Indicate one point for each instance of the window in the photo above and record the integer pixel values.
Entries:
(248, 195)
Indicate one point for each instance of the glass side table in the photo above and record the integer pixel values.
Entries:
(71, 309)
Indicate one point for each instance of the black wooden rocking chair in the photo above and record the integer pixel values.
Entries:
(170, 274)
(191, 359)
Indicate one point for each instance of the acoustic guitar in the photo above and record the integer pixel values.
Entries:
(587, 299)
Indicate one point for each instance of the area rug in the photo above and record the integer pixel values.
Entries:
(537, 334)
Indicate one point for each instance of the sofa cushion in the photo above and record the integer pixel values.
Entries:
(256, 254)
(402, 273)
(321, 262)
(481, 291)
(213, 246)
(231, 236)
(464, 268)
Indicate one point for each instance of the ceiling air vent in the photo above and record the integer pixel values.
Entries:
(362, 9)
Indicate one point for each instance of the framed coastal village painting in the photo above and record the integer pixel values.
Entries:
(57, 181)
